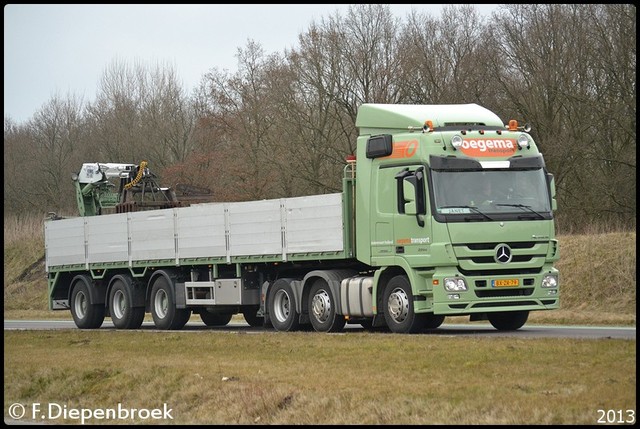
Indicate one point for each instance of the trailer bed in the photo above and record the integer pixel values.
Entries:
(282, 229)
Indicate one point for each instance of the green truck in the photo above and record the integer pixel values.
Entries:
(445, 211)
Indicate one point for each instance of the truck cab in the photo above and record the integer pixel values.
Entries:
(456, 210)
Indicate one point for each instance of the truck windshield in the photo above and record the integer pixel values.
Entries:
(492, 192)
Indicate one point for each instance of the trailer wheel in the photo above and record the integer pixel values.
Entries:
(251, 318)
(123, 314)
(163, 307)
(508, 321)
(398, 307)
(85, 315)
(215, 319)
(282, 306)
(322, 309)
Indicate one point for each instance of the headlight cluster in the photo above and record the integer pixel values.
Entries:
(455, 284)
(550, 281)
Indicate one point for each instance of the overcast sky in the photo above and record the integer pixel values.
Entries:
(59, 50)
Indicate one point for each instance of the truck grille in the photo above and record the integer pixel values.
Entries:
(479, 259)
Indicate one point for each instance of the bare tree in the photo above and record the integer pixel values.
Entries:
(564, 74)
(318, 133)
(19, 168)
(41, 155)
(115, 115)
(369, 57)
(442, 60)
(167, 116)
(242, 110)
(141, 113)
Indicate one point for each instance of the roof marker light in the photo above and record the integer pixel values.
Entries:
(456, 141)
(513, 125)
(523, 141)
(427, 127)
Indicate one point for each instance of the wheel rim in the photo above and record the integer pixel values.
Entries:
(281, 305)
(80, 305)
(398, 306)
(119, 304)
(321, 306)
(161, 304)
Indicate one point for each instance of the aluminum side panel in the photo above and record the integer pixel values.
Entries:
(255, 228)
(314, 224)
(152, 235)
(107, 238)
(64, 242)
(201, 231)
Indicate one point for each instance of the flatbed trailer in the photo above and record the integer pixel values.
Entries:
(401, 247)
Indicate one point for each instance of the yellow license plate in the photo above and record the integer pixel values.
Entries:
(505, 283)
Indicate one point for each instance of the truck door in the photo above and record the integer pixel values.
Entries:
(411, 224)
(383, 210)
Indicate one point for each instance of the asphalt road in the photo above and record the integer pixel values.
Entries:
(475, 329)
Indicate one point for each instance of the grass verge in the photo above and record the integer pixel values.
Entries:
(307, 378)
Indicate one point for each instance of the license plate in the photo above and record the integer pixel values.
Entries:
(505, 283)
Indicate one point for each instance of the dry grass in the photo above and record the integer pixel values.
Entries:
(599, 272)
(307, 378)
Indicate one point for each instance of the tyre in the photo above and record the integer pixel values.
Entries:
(508, 321)
(85, 315)
(282, 306)
(251, 318)
(322, 309)
(123, 314)
(398, 307)
(215, 319)
(163, 307)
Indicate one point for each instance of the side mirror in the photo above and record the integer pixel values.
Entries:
(421, 204)
(409, 194)
(552, 189)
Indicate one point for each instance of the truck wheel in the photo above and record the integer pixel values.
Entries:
(251, 318)
(282, 306)
(322, 309)
(508, 321)
(123, 315)
(163, 307)
(398, 307)
(215, 319)
(85, 315)
(433, 321)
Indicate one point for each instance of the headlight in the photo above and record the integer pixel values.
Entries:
(550, 281)
(455, 284)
